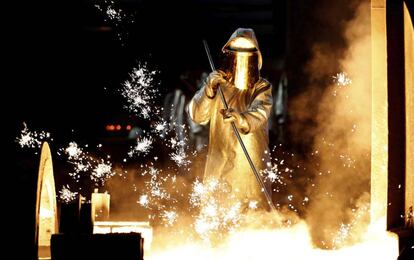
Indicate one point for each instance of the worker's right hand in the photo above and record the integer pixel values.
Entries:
(214, 80)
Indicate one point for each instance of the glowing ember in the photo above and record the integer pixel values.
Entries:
(169, 217)
(219, 213)
(97, 169)
(197, 193)
(140, 92)
(156, 196)
(347, 161)
(342, 235)
(102, 172)
(176, 143)
(73, 151)
(78, 158)
(342, 79)
(143, 200)
(143, 146)
(66, 195)
(253, 204)
(115, 16)
(180, 158)
(160, 126)
(112, 13)
(273, 175)
(32, 139)
(179, 144)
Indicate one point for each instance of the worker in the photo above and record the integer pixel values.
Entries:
(249, 99)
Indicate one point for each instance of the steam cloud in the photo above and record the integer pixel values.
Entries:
(336, 123)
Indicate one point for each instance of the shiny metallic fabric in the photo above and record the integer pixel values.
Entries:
(225, 159)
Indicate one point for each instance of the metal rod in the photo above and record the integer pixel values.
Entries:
(236, 132)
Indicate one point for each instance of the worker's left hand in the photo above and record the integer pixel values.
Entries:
(231, 115)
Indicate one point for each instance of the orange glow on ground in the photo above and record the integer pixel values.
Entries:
(284, 243)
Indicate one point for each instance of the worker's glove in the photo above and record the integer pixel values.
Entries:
(230, 115)
(214, 80)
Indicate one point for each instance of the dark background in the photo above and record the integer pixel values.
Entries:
(64, 57)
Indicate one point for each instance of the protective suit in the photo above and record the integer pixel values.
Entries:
(249, 108)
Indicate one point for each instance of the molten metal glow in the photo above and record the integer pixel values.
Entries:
(292, 242)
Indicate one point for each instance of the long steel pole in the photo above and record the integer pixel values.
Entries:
(236, 132)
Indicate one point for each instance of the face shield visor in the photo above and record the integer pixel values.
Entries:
(241, 63)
